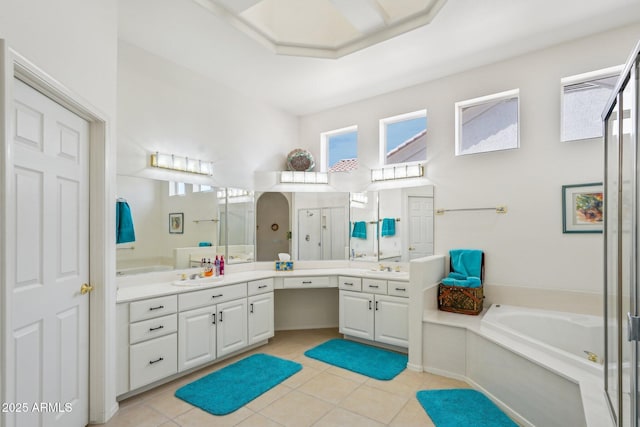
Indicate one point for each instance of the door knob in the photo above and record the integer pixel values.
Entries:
(85, 288)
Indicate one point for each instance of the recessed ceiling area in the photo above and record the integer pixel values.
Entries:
(323, 28)
(464, 34)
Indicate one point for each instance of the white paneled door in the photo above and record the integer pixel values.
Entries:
(420, 227)
(49, 237)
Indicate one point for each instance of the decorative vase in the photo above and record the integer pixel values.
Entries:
(300, 160)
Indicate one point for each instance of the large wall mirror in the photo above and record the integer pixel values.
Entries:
(394, 225)
(321, 226)
(177, 224)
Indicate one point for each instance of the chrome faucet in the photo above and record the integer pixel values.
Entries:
(383, 268)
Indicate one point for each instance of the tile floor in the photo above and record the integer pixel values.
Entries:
(318, 395)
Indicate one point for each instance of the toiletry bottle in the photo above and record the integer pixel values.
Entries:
(222, 265)
(217, 266)
(209, 269)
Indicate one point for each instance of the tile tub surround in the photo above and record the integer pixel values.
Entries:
(329, 395)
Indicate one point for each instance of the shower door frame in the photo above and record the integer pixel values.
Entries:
(617, 406)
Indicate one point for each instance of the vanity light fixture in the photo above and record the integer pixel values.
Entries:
(397, 172)
(300, 177)
(181, 164)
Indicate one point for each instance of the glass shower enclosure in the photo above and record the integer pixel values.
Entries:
(621, 251)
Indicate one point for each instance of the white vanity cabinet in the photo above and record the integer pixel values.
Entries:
(196, 337)
(153, 341)
(308, 282)
(211, 324)
(232, 326)
(376, 313)
(261, 314)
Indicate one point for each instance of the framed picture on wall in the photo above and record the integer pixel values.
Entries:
(582, 208)
(176, 223)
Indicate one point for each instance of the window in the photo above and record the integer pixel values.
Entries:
(489, 123)
(201, 188)
(339, 150)
(403, 138)
(583, 98)
(177, 188)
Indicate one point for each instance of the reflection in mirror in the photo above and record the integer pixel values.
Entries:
(237, 217)
(364, 226)
(322, 226)
(392, 225)
(151, 202)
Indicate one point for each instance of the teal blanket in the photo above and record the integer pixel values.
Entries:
(466, 265)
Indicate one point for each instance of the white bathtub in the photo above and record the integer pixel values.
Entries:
(531, 362)
(143, 269)
(570, 337)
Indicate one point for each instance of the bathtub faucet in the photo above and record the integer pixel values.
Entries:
(592, 356)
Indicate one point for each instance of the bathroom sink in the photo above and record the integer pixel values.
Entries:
(200, 281)
(387, 274)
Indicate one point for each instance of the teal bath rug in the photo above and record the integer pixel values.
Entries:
(462, 407)
(364, 359)
(230, 388)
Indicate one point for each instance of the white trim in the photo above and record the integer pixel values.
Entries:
(591, 75)
(459, 106)
(324, 144)
(383, 123)
(102, 366)
(582, 78)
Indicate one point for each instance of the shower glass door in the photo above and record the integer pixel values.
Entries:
(622, 259)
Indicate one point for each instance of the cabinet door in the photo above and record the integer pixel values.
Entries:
(392, 320)
(196, 337)
(260, 317)
(232, 326)
(356, 314)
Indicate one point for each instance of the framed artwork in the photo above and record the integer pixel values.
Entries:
(582, 208)
(176, 223)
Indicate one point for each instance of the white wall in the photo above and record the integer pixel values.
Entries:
(526, 247)
(167, 108)
(74, 41)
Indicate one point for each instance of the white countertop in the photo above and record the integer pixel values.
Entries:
(149, 285)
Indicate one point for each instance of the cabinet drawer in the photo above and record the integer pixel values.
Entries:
(153, 360)
(152, 328)
(306, 282)
(350, 283)
(154, 307)
(260, 286)
(399, 289)
(210, 296)
(374, 286)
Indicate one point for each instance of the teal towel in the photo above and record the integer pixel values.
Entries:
(466, 261)
(388, 227)
(359, 230)
(469, 282)
(203, 244)
(124, 223)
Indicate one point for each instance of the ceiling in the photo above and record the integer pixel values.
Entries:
(204, 36)
(323, 28)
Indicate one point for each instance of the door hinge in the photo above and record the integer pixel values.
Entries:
(633, 327)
